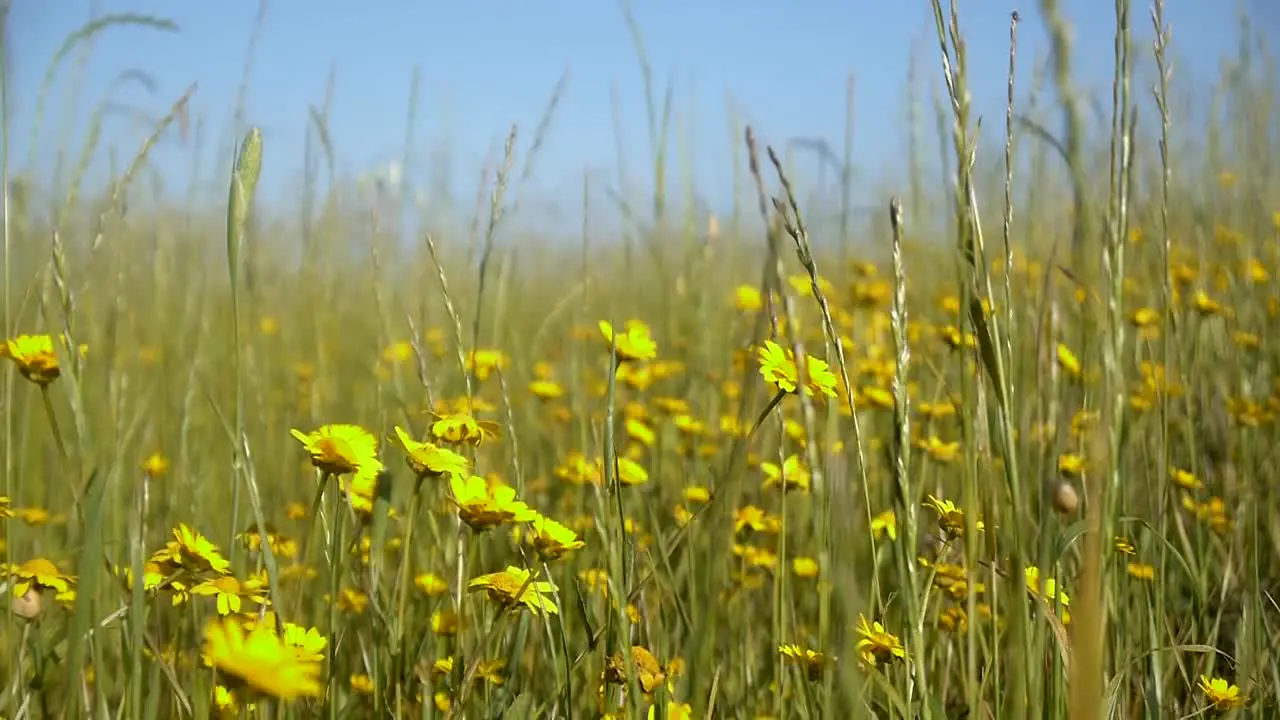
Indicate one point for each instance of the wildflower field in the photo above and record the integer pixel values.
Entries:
(1013, 463)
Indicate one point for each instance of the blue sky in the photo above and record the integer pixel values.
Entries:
(486, 64)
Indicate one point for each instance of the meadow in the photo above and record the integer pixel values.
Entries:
(1014, 463)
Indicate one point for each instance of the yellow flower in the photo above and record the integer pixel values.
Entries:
(341, 449)
(229, 592)
(152, 576)
(491, 671)
(952, 579)
(672, 405)
(428, 460)
(552, 540)
(1185, 479)
(189, 550)
(307, 643)
(689, 425)
(227, 705)
(953, 619)
(460, 428)
(546, 389)
(482, 507)
(747, 298)
(5, 511)
(864, 269)
(870, 294)
(649, 672)
(950, 517)
(697, 494)
(156, 465)
(1067, 361)
(753, 518)
(1206, 305)
(877, 645)
(631, 472)
(351, 600)
(361, 490)
(1144, 318)
(34, 356)
(640, 432)
(38, 574)
(513, 587)
(34, 516)
(805, 567)
(1048, 590)
(955, 339)
(442, 667)
(936, 411)
(939, 451)
(638, 376)
(179, 592)
(444, 622)
(793, 475)
(1220, 693)
(1141, 571)
(756, 557)
(596, 580)
(1256, 271)
(398, 352)
(1246, 340)
(361, 684)
(877, 397)
(803, 285)
(482, 363)
(463, 404)
(778, 368)
(811, 661)
(431, 584)
(260, 661)
(885, 523)
(1082, 421)
(577, 470)
(281, 546)
(1071, 465)
(633, 344)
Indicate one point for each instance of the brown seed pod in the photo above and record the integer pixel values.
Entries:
(1065, 498)
(29, 605)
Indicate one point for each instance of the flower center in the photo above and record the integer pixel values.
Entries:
(336, 454)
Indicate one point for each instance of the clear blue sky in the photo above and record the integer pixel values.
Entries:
(488, 63)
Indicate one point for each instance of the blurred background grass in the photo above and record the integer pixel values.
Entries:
(1077, 417)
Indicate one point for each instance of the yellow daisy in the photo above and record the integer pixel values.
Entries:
(778, 368)
(341, 449)
(811, 661)
(877, 644)
(514, 587)
(428, 460)
(552, 540)
(633, 344)
(34, 356)
(260, 661)
(38, 574)
(1220, 693)
(461, 428)
(230, 593)
(482, 507)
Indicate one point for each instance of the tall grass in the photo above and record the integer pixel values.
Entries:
(970, 477)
